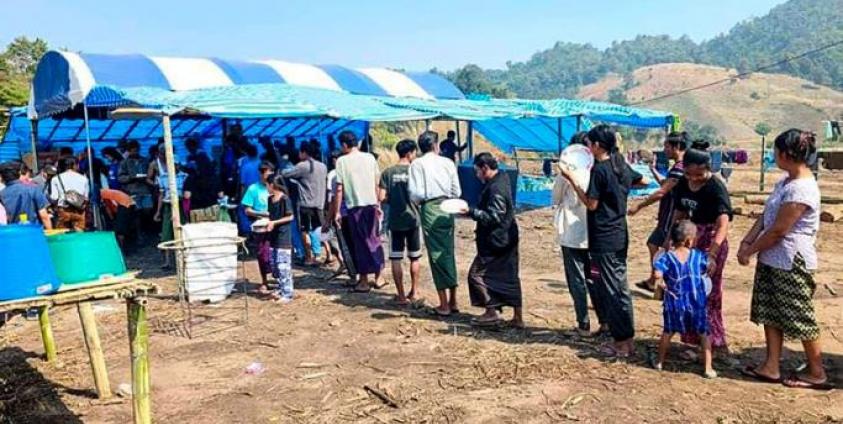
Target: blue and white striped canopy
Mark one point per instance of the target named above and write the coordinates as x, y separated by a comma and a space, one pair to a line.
64, 79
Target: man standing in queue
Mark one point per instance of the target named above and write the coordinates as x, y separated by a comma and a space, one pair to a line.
493, 279
403, 222
433, 179
357, 184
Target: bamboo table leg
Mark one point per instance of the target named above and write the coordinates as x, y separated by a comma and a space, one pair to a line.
92, 341
47, 334
139, 351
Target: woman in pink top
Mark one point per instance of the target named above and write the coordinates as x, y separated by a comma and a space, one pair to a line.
784, 238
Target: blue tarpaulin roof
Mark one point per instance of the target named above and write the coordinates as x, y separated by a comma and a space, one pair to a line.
64, 79
277, 99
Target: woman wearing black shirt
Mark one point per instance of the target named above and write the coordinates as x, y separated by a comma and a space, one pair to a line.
702, 197
608, 238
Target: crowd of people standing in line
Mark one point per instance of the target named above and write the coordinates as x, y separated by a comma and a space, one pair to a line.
689, 247
290, 193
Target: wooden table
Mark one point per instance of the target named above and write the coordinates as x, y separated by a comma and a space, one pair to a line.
126, 287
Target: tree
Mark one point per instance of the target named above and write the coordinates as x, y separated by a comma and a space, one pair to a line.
471, 79
762, 129
618, 97
22, 55
17, 66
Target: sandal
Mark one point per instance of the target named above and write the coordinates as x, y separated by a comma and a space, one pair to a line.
797, 381
610, 351
356, 290
645, 285
485, 322
749, 371
439, 313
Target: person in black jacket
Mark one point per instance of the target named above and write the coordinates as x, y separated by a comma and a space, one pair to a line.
493, 279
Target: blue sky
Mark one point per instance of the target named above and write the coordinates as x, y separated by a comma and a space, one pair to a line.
415, 35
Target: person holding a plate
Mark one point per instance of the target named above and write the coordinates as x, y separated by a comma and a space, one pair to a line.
255, 203
433, 180
571, 222
493, 279
608, 235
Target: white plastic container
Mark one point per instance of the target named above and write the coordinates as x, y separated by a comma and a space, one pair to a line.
210, 260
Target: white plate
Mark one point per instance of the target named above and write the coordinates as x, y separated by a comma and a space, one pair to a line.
577, 157
453, 206
260, 225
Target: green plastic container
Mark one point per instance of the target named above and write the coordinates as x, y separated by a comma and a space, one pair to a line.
84, 257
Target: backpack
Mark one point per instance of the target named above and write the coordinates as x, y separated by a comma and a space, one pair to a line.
73, 198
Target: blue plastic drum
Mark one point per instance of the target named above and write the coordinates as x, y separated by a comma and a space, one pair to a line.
26, 269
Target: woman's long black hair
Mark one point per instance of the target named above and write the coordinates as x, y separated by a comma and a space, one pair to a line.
679, 140
796, 144
607, 138
698, 154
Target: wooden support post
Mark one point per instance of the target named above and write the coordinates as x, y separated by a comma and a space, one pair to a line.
139, 355
459, 141
47, 334
763, 165
469, 138
559, 135
92, 341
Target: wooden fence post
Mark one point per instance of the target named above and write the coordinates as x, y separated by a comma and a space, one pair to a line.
47, 334
139, 353
92, 341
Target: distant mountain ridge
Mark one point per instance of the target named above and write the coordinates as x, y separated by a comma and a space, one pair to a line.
787, 30
732, 109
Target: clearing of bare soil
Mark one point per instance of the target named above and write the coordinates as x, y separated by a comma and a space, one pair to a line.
331, 356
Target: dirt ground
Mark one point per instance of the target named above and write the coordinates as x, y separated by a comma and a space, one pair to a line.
321, 353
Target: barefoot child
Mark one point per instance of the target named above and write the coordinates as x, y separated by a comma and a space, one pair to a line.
683, 270
280, 217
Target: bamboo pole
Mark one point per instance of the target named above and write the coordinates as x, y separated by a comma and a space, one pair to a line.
174, 194
139, 354
92, 342
47, 334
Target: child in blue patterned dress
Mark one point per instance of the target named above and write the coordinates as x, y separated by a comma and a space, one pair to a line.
682, 275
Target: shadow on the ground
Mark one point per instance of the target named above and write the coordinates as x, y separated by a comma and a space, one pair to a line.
27, 397
384, 307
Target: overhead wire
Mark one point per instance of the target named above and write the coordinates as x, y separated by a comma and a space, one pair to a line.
742, 74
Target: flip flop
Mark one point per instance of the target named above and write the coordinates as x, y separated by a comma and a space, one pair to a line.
356, 290
749, 371
796, 381
610, 351
438, 313
644, 285
486, 322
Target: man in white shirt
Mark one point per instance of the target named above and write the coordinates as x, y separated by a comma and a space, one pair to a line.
70, 183
433, 179
358, 177
571, 224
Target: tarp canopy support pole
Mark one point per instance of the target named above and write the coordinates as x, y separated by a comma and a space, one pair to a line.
559, 133
173, 188
34, 140
470, 139
459, 140
579, 123
91, 183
